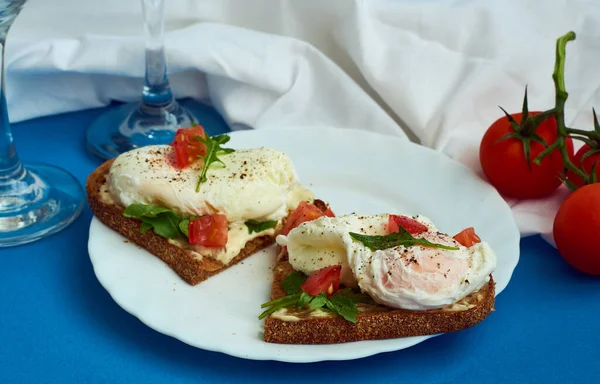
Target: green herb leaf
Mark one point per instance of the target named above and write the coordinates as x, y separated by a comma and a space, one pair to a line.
259, 226
165, 225
275, 305
304, 299
319, 301
344, 307
357, 297
343, 303
293, 282
137, 211
213, 149
402, 237
183, 226
145, 227
164, 221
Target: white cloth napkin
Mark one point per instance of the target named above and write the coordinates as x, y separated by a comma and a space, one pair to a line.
435, 70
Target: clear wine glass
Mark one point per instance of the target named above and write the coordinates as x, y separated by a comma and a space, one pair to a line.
156, 118
36, 200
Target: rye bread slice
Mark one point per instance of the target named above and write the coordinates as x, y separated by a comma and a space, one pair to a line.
182, 261
375, 321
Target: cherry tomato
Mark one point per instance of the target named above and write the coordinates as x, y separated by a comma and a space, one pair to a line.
186, 147
324, 280
577, 228
304, 212
505, 165
208, 231
467, 237
586, 164
411, 225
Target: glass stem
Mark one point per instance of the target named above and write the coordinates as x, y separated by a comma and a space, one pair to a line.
157, 92
10, 165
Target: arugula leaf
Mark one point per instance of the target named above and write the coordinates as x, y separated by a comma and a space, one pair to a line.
145, 227
136, 211
213, 148
343, 303
259, 226
183, 226
165, 225
402, 237
304, 299
293, 282
277, 304
319, 301
357, 297
343, 306
164, 221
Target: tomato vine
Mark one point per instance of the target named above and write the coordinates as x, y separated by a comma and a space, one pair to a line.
591, 138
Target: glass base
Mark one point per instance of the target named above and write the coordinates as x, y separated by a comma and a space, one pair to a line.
39, 201
134, 125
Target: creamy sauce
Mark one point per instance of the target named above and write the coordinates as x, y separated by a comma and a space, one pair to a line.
237, 238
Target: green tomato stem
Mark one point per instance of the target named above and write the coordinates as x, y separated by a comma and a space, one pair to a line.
589, 134
569, 164
561, 96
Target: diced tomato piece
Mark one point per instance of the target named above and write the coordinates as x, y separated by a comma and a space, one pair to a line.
411, 225
208, 231
324, 280
303, 213
467, 237
187, 148
329, 212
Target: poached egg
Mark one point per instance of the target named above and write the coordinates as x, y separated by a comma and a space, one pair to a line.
259, 184
414, 277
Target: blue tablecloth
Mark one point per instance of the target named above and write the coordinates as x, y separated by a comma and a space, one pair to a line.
58, 325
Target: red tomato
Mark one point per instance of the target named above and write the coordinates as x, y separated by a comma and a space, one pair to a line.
587, 164
505, 165
324, 280
467, 237
329, 212
304, 212
576, 229
209, 231
411, 225
186, 147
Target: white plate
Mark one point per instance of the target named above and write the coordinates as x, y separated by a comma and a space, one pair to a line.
355, 171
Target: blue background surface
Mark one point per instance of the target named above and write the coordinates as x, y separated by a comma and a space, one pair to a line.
58, 325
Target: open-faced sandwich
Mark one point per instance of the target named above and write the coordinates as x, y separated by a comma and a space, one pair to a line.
196, 205
357, 277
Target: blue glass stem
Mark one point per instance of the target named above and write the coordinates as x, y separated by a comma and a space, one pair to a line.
157, 91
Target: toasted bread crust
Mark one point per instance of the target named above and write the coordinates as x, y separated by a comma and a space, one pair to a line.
387, 324
183, 262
